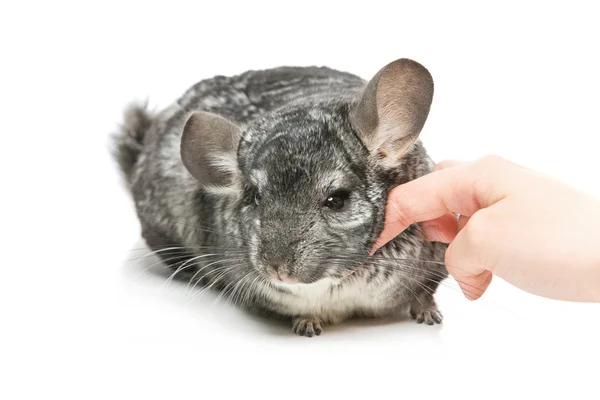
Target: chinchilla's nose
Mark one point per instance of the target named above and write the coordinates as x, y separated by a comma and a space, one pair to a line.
278, 268
275, 261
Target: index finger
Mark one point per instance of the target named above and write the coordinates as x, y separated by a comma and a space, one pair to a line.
450, 188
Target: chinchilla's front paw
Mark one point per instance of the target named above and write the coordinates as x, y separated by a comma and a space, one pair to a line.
429, 316
426, 311
307, 326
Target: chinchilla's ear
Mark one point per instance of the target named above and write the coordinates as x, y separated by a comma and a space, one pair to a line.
208, 150
393, 108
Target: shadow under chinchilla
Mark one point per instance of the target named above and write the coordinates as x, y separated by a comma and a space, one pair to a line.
145, 269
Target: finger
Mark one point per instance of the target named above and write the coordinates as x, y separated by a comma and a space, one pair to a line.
440, 229
427, 198
474, 286
443, 229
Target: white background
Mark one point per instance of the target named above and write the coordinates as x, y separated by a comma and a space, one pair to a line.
80, 321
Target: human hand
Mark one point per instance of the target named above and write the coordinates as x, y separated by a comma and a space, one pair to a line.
528, 229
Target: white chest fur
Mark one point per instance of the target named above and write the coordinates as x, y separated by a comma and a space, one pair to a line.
333, 302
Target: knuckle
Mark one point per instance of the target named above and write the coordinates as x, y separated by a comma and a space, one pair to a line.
491, 161
447, 164
485, 174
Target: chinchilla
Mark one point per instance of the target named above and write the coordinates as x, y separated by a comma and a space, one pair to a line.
270, 186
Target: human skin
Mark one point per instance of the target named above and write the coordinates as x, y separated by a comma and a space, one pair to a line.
536, 233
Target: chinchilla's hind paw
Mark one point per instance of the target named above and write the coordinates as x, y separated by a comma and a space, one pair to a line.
307, 326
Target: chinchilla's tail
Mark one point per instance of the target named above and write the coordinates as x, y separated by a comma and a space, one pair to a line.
128, 141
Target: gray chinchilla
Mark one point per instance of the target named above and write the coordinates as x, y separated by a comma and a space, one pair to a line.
270, 187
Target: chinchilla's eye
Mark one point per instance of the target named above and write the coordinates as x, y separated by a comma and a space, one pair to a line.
336, 200
257, 198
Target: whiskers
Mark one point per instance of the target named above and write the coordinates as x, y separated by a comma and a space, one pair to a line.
415, 270
427, 275
228, 270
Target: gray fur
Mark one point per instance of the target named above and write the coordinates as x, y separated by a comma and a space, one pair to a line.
301, 139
